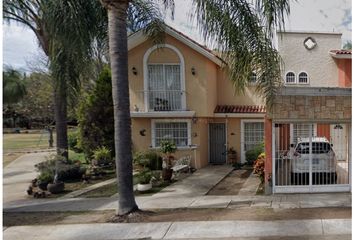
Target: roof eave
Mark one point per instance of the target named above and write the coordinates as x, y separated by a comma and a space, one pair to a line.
139, 37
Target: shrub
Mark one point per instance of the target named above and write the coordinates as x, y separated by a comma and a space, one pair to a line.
258, 167
73, 141
149, 159
252, 154
102, 156
46, 177
65, 169
95, 117
144, 177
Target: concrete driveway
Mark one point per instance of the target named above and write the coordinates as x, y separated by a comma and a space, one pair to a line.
18, 175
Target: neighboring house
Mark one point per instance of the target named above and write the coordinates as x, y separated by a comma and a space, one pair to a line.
314, 102
179, 91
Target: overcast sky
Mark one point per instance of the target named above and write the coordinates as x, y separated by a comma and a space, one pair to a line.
20, 46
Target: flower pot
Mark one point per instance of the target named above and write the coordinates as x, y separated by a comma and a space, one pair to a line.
144, 187
42, 185
56, 187
167, 174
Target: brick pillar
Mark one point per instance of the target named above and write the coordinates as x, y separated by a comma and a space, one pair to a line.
268, 152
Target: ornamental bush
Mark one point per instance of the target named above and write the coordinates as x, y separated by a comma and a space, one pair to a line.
95, 117
252, 154
258, 167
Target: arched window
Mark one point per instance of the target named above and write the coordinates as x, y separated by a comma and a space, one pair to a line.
164, 82
303, 78
290, 78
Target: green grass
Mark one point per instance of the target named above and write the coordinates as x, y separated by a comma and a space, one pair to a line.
74, 156
23, 141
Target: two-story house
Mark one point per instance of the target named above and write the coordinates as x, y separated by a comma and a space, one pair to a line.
180, 92
307, 131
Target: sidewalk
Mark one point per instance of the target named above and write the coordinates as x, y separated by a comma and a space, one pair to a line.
318, 229
18, 175
172, 202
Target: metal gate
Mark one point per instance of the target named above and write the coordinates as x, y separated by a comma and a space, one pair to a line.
217, 143
311, 157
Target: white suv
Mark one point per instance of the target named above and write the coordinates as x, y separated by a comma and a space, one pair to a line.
324, 161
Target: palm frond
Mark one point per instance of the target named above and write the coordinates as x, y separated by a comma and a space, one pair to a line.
237, 32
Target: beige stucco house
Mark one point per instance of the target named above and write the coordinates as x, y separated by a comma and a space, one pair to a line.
179, 91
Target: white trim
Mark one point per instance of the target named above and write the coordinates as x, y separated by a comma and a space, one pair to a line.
146, 73
240, 115
139, 37
308, 78
189, 130
162, 114
340, 56
243, 121
290, 83
273, 157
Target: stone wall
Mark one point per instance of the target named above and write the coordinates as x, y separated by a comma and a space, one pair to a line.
313, 108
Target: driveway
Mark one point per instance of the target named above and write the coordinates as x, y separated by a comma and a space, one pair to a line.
18, 175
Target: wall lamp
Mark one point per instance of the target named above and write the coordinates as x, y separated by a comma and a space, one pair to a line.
193, 71
135, 72
194, 120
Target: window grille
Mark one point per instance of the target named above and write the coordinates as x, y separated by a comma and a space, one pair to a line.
176, 132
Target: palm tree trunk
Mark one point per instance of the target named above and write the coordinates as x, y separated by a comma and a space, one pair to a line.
117, 15
60, 102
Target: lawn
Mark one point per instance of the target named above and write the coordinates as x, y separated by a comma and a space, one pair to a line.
25, 141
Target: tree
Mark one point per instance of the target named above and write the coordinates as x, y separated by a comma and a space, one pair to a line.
119, 14
65, 31
242, 32
348, 45
14, 87
95, 117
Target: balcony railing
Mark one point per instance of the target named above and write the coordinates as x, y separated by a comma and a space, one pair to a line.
164, 100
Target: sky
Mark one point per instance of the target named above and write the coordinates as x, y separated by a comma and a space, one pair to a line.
20, 46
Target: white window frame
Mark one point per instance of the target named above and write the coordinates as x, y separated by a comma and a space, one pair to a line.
243, 121
146, 73
292, 130
290, 83
153, 130
308, 79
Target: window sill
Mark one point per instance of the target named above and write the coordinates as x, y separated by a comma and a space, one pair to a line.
163, 114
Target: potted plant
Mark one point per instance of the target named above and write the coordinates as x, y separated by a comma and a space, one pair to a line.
144, 181
167, 148
44, 179
232, 155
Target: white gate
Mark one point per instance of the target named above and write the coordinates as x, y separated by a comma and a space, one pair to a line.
311, 157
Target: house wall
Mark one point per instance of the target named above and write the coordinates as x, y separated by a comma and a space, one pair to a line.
200, 88
344, 72
309, 108
318, 63
227, 94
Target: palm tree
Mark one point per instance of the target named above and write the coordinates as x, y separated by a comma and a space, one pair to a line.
138, 13
64, 30
240, 32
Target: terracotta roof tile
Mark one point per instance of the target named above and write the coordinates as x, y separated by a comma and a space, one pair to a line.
342, 51
240, 109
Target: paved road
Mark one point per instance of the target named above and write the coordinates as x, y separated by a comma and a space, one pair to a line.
17, 176
288, 229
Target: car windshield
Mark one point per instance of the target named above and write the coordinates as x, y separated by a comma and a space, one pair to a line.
317, 148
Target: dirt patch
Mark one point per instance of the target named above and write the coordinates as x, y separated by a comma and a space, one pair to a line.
231, 184
251, 214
